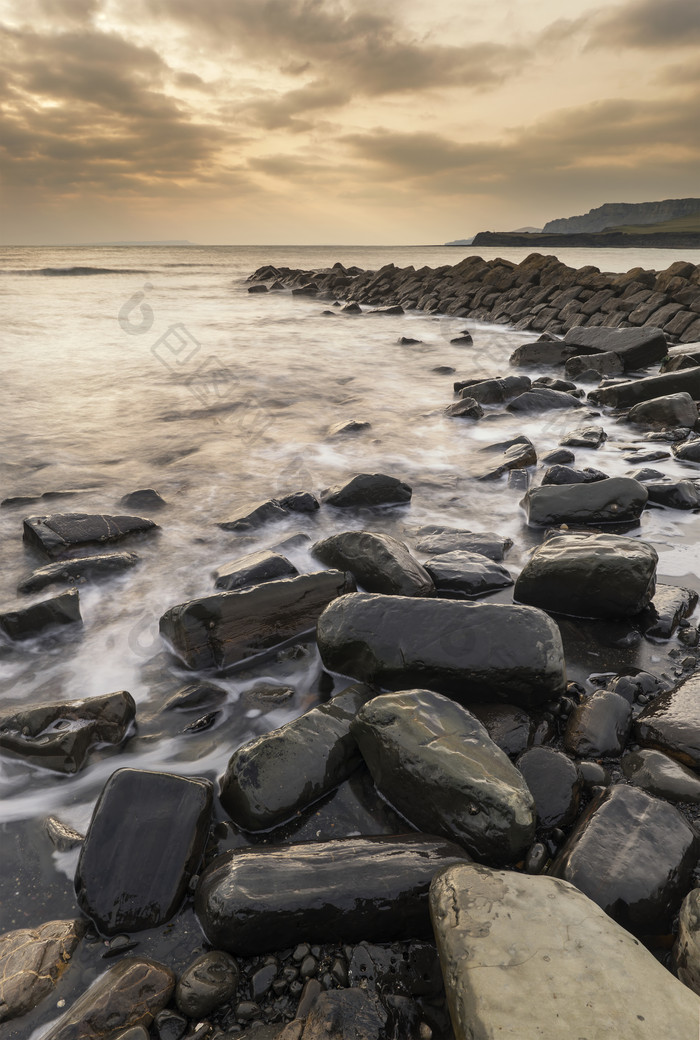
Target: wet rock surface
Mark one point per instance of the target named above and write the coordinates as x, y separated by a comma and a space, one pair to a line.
210, 981
601, 502
555, 784
368, 489
31, 962
253, 569
661, 776
61, 535
86, 568
465, 575
438, 540
671, 723
377, 562
41, 618
599, 727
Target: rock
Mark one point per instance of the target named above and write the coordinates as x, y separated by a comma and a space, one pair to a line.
443, 370
471, 651
146, 499
253, 569
40, 618
198, 696
637, 348
589, 575
219, 630
283, 771
531, 957
64, 534
541, 354
509, 727
352, 308
368, 489
566, 475
82, 569
131, 993
300, 502
584, 437
144, 843
208, 982
554, 383
493, 391
496, 459
681, 494
467, 408
624, 395
542, 399
375, 888
634, 856
661, 776
671, 723
635, 684
63, 838
440, 540
345, 1014
607, 363
666, 412
435, 763
348, 426
169, 1025
555, 784
599, 727
265, 513
667, 609
378, 562
31, 962
461, 575
688, 451
607, 501
559, 457
60, 736
686, 952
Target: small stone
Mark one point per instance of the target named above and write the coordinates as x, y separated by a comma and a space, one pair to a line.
207, 983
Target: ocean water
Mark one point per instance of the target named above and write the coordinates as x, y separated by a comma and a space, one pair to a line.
127, 368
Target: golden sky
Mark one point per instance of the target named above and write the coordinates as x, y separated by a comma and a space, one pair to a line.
338, 121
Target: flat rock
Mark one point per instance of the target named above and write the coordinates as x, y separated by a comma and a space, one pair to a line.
31, 962
634, 856
599, 727
669, 411
436, 540
613, 500
679, 494
368, 489
542, 399
624, 395
607, 363
144, 843
589, 575
541, 354
60, 736
435, 763
661, 776
671, 723
470, 651
85, 568
531, 958
38, 619
555, 784
375, 888
637, 348
220, 630
584, 437
378, 562
253, 569
465, 575
256, 516
65, 534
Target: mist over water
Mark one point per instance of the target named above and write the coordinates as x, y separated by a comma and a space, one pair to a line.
127, 368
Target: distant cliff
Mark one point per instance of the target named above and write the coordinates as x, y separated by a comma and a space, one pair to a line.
587, 240
615, 214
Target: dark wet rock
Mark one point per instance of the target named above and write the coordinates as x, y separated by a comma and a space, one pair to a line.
624, 395
82, 569
509, 727
542, 399
541, 354
253, 569
443, 370
589, 575
436, 764
169, 1025
601, 502
207, 983
554, 383
634, 856
62, 837
440, 540
130, 993
671, 723
464, 340
268, 695
378, 562
463, 575
220, 630
60, 736
274, 776
637, 348
352, 308
494, 460
555, 785
408, 341
300, 502
584, 366
136, 863
467, 408
31, 962
265, 513
559, 457
567, 475
681, 494
368, 489
394, 310
260, 288
407, 967
584, 437
686, 952
661, 776
670, 411
64, 534
348, 426
40, 618
341, 1014
688, 451
347, 890
198, 696
535, 944
635, 684
667, 609
146, 498
493, 391
471, 651
599, 727
647, 474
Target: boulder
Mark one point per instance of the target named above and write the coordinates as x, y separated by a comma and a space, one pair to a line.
300, 502
145, 498
253, 569
589, 575
567, 475
667, 609
599, 727
470, 651
555, 784
542, 399
686, 952
341, 1014
440, 540
584, 437
60, 736
669, 411
493, 391
208, 982
493, 461
251, 901
688, 451
378, 562
144, 843
465, 575
40, 618
637, 348
265, 513
680, 494
274, 776
661, 776
219, 630
467, 408
613, 500
531, 957
607, 363
435, 763
368, 489
633, 855
31, 962
85, 568
624, 395
671, 723
61, 535
542, 354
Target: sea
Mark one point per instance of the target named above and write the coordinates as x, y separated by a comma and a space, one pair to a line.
153, 367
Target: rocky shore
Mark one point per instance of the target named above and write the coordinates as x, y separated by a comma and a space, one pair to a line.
474, 831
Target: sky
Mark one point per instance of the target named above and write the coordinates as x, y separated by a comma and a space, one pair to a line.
338, 121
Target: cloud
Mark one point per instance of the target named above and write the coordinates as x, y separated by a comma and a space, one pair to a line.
652, 24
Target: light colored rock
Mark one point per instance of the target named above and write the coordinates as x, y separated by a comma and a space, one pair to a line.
532, 958
686, 952
31, 962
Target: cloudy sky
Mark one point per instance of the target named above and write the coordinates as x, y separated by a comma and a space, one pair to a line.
338, 121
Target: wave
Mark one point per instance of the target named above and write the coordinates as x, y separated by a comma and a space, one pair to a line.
73, 272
